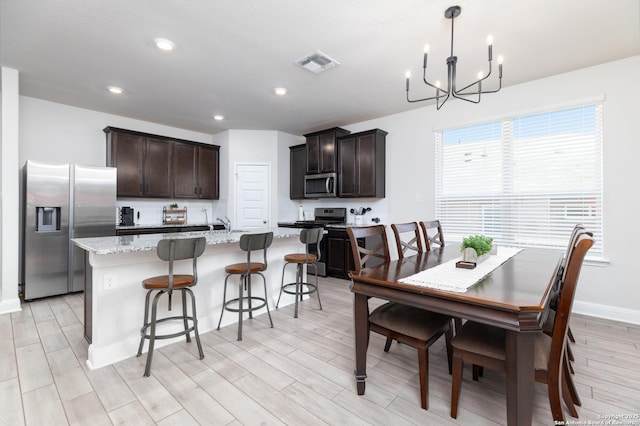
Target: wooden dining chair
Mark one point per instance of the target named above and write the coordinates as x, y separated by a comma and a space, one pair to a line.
555, 291
413, 245
432, 231
433, 238
412, 326
484, 345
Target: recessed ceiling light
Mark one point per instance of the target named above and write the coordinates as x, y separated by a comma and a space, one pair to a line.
280, 91
218, 117
114, 89
164, 44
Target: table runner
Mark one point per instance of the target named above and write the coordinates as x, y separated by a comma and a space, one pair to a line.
458, 280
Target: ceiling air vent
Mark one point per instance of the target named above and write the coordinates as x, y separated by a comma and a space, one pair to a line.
316, 62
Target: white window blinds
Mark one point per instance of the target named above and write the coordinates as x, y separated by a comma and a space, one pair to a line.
524, 181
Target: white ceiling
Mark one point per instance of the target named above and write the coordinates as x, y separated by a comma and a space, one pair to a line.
230, 54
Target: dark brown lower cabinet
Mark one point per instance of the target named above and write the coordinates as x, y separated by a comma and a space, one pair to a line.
339, 257
339, 253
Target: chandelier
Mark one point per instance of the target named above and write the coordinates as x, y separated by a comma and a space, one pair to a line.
470, 93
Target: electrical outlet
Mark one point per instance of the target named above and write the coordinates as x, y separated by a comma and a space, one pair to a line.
109, 281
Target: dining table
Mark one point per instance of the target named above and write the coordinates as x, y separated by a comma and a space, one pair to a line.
512, 296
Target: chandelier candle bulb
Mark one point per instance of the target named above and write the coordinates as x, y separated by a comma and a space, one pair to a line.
424, 61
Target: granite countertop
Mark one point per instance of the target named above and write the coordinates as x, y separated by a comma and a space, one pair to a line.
148, 242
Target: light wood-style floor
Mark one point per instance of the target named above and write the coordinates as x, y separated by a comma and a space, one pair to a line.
298, 373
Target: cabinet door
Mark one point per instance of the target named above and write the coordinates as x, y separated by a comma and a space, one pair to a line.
185, 169
347, 167
327, 153
127, 154
366, 166
336, 256
158, 168
313, 154
208, 173
297, 169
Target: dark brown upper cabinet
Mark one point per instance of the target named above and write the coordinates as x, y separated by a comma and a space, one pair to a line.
361, 164
209, 172
322, 150
158, 168
153, 166
297, 170
195, 168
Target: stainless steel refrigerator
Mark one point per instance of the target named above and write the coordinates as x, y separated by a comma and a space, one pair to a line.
61, 202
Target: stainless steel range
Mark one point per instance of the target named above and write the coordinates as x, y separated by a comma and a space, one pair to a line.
323, 217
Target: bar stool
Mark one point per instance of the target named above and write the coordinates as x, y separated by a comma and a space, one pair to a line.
307, 237
170, 250
248, 243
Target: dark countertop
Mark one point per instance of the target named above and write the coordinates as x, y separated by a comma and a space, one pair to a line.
166, 225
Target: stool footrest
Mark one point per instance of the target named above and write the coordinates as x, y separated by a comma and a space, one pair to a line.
262, 300
311, 288
168, 336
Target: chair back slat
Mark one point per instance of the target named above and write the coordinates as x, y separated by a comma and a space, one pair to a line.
253, 242
170, 249
361, 255
312, 236
414, 244
582, 243
183, 248
433, 235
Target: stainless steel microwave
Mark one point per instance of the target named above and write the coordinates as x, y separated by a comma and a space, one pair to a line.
320, 185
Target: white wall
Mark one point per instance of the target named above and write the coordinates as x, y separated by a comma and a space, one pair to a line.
9, 216
609, 291
252, 147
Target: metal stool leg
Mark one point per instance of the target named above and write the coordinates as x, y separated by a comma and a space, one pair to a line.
224, 301
195, 320
152, 334
243, 279
266, 303
247, 281
282, 283
317, 291
185, 319
298, 294
144, 322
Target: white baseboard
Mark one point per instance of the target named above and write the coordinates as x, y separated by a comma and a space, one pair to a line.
607, 312
11, 305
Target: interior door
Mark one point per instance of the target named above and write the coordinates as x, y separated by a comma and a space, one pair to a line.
252, 196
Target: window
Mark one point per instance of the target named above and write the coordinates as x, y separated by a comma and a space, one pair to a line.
524, 181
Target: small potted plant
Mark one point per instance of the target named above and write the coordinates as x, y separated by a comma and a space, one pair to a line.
476, 248
173, 206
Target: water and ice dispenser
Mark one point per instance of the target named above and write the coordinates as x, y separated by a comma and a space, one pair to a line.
48, 219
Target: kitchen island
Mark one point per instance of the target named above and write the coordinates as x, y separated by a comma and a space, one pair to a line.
114, 297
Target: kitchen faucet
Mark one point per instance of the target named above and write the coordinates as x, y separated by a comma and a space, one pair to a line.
226, 224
